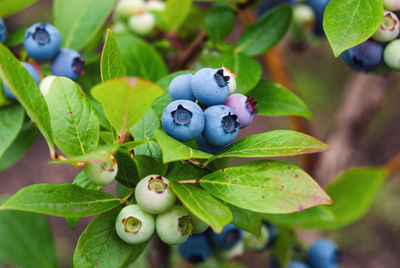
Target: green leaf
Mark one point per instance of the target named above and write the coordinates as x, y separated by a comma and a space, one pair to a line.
100, 246
26, 240
146, 166
141, 59
266, 187
127, 171
283, 246
144, 129
75, 125
349, 23
22, 85
79, 20
266, 32
130, 145
248, 70
15, 38
11, 119
175, 13
64, 200
150, 149
246, 220
219, 21
275, 100
272, 144
174, 150
125, 101
112, 63
9, 7
99, 153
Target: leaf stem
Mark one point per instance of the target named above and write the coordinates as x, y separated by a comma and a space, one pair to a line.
125, 200
197, 163
190, 181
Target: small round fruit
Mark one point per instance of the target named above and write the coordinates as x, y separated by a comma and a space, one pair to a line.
389, 28
142, 24
31, 70
154, 195
155, 5
196, 249
303, 19
174, 226
102, 171
42, 41
183, 120
199, 226
243, 106
119, 28
180, 88
228, 238
298, 264
392, 5
232, 79
204, 146
367, 55
324, 254
126, 8
210, 86
45, 84
68, 63
134, 225
254, 242
221, 125
3, 31
391, 54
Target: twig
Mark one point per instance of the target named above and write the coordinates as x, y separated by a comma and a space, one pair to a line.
196, 163
191, 51
393, 165
174, 40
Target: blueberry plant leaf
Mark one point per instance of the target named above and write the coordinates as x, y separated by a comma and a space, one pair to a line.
75, 125
349, 23
144, 129
64, 200
22, 85
100, 246
15, 38
246, 220
11, 119
275, 100
101, 152
9, 7
266, 187
21, 233
112, 63
219, 21
125, 101
127, 171
173, 150
146, 166
175, 13
266, 32
248, 70
283, 246
273, 143
141, 59
78, 21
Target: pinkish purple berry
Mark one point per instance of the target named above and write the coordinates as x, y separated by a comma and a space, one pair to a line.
244, 107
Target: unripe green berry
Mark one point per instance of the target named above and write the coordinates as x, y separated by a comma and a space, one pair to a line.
155, 5
134, 225
45, 84
142, 24
392, 5
154, 195
391, 54
389, 28
303, 18
174, 226
254, 242
199, 226
102, 171
126, 8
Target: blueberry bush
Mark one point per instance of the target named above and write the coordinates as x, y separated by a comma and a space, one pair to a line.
150, 96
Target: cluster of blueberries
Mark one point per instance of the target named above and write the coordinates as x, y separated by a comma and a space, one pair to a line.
137, 15
42, 42
216, 127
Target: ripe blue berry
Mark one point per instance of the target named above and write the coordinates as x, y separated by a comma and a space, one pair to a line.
154, 195
180, 88
3, 31
134, 225
367, 55
205, 146
391, 54
298, 264
228, 238
319, 8
221, 125
196, 249
210, 86
102, 171
389, 28
174, 226
183, 120
244, 108
68, 63
42, 41
392, 5
254, 242
324, 254
31, 70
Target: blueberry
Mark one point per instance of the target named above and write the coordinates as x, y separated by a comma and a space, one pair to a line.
391, 54
134, 225
345, 56
210, 86
3, 31
174, 226
221, 125
228, 238
319, 8
180, 88
324, 254
42, 41
392, 5
389, 28
244, 108
154, 195
183, 120
68, 63
31, 70
297, 264
142, 24
367, 55
205, 146
102, 171
254, 242
126, 8
45, 84
196, 249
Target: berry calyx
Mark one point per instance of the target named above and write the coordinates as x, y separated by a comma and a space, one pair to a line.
182, 116
230, 123
221, 79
